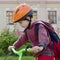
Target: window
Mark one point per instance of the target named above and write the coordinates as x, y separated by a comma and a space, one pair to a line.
34, 15
9, 15
52, 16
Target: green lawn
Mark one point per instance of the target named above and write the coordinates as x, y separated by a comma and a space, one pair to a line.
16, 58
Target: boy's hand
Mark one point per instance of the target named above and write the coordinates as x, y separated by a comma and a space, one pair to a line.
37, 49
10, 48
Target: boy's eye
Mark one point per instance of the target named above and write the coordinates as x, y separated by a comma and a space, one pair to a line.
20, 21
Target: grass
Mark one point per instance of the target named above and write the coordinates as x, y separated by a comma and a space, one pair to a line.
16, 58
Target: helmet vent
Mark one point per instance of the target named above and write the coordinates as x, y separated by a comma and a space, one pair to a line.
22, 5
17, 10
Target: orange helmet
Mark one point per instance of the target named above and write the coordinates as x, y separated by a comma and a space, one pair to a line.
21, 12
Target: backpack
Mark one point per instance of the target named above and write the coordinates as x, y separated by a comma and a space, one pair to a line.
53, 34
54, 37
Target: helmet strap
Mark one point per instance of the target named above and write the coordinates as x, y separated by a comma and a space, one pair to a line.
28, 24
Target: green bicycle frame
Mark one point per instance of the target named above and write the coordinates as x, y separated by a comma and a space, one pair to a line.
19, 53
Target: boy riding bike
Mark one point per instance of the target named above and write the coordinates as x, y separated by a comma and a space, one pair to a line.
41, 40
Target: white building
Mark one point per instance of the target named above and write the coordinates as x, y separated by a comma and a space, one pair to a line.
46, 10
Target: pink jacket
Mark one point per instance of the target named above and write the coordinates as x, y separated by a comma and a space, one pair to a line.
40, 39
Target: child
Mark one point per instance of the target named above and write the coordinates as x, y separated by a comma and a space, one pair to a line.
41, 41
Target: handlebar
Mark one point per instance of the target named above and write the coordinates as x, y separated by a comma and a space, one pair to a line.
20, 52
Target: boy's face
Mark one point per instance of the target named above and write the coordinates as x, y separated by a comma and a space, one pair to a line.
24, 23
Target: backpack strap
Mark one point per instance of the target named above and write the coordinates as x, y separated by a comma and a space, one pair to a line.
37, 27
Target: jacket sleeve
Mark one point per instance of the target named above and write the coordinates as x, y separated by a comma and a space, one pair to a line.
43, 36
21, 40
